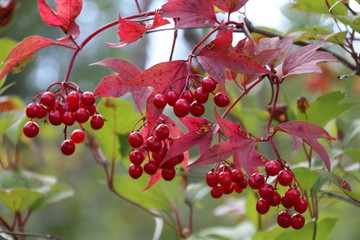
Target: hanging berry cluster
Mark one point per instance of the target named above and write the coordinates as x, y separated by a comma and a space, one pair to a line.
65, 105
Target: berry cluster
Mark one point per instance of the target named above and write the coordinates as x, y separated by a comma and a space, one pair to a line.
191, 102
60, 107
155, 148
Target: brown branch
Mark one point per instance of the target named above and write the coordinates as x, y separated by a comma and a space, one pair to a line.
31, 235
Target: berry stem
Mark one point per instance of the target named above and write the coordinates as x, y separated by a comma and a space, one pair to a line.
138, 6
173, 45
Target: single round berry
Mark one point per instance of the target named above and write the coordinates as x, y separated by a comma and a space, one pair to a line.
72, 99
171, 97
136, 157
90, 108
97, 121
200, 95
135, 139
168, 174
266, 191
225, 178
212, 179
42, 111
217, 191
47, 98
172, 162
68, 118
237, 175
135, 171
272, 168
197, 109
275, 199
181, 107
285, 177
301, 205
159, 101
67, 147
297, 221
256, 180
286, 202
292, 195
228, 189
151, 167
31, 129
88, 98
188, 95
55, 117
262, 206
32, 110
224, 168
162, 131
208, 84
221, 99
153, 144
283, 219
60, 107
77, 136
159, 155
82, 115
243, 183
237, 189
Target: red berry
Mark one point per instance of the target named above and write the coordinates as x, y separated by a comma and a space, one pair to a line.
135, 139
266, 191
224, 168
77, 136
47, 98
88, 98
135, 171
262, 206
221, 99
197, 109
55, 117
212, 179
90, 108
172, 162
285, 177
42, 111
301, 205
208, 84
60, 107
68, 118
31, 129
181, 107
82, 115
228, 189
283, 219
217, 191
237, 175
168, 174
275, 199
32, 110
243, 183
97, 121
237, 189
188, 95
172, 97
225, 178
151, 167
153, 144
159, 101
256, 180
72, 99
162, 131
67, 147
200, 95
136, 157
272, 168
297, 221
159, 155
292, 195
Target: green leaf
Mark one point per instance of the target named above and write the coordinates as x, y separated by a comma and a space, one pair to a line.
56, 193
325, 227
18, 199
195, 192
354, 154
337, 38
348, 129
325, 108
6, 45
5, 123
306, 178
269, 235
321, 7
251, 212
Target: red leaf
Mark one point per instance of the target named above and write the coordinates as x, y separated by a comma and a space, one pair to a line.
230, 5
125, 69
23, 49
153, 179
191, 13
309, 133
304, 60
219, 54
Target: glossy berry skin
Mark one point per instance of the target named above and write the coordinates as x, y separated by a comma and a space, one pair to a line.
153, 144
55, 117
172, 97
275, 199
262, 206
285, 177
73, 99
301, 205
77, 136
168, 174
97, 122
225, 178
228, 189
272, 168
283, 219
221, 99
181, 107
266, 191
151, 167
47, 98
286, 203
68, 118
217, 192
297, 221
42, 111
67, 147
159, 101
200, 95
159, 155
31, 129
162, 131
256, 180
237, 189
135, 171
188, 95
237, 175
243, 183
88, 98
197, 109
292, 195
135, 139
32, 110
90, 108
208, 84
82, 115
136, 157
212, 179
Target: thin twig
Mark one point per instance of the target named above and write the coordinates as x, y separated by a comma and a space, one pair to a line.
31, 235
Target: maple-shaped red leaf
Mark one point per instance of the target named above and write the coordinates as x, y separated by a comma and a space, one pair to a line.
201, 132
25, 48
64, 16
191, 13
125, 69
219, 54
308, 133
230, 5
130, 31
304, 60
